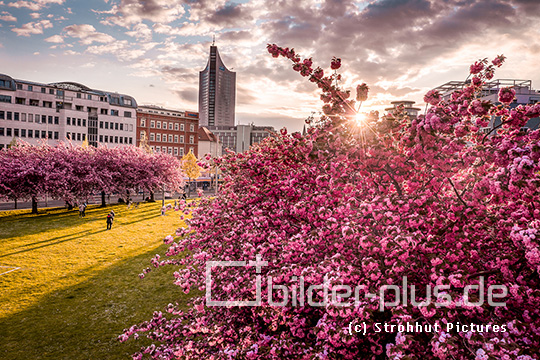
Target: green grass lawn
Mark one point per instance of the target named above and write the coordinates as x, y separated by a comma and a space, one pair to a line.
77, 286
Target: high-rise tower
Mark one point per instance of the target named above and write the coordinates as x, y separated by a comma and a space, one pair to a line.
217, 92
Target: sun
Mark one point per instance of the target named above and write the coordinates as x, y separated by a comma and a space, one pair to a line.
360, 119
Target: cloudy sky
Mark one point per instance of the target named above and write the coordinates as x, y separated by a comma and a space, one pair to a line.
154, 49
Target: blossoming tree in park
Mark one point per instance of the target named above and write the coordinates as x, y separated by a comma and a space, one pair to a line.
191, 167
73, 173
398, 202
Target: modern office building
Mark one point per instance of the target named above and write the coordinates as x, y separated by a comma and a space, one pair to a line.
64, 111
239, 138
165, 130
525, 94
217, 92
408, 107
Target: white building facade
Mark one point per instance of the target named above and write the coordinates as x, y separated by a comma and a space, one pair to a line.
64, 111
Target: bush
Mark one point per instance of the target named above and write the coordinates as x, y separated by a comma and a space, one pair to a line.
432, 199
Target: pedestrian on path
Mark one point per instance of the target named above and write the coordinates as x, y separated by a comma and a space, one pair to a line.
81, 210
84, 209
110, 218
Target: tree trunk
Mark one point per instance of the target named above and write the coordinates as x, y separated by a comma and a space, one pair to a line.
15, 203
103, 204
189, 188
152, 196
34, 205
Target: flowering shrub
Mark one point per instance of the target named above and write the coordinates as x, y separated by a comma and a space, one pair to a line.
431, 198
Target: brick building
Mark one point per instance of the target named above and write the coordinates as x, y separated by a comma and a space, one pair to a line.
166, 130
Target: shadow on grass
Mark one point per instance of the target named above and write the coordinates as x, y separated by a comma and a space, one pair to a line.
20, 225
84, 321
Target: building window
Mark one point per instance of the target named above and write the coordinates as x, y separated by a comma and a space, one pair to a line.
122, 127
181, 152
8, 132
43, 134
43, 119
143, 122
101, 124
158, 137
56, 120
9, 115
152, 137
16, 116
16, 132
115, 126
89, 97
5, 98
50, 118
158, 125
2, 115
131, 140
106, 138
192, 139
30, 133
47, 104
68, 121
83, 122
78, 122
114, 112
170, 138
176, 127
78, 136
20, 101
30, 88
34, 102
49, 135
30, 117
78, 95
191, 127
127, 114
175, 151
116, 139
19, 86
51, 91
23, 132
176, 139
103, 112
56, 135
23, 117
152, 124
100, 138
170, 126
181, 139
121, 140
191, 149
181, 127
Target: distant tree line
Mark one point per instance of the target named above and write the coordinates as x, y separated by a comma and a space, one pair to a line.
74, 173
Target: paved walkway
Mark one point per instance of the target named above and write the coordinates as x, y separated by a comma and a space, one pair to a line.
96, 199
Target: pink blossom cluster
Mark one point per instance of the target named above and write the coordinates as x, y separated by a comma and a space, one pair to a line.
433, 198
362, 92
506, 95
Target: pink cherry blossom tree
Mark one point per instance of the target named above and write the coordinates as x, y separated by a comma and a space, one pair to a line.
73, 173
433, 199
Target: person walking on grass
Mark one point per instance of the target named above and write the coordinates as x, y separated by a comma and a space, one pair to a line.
110, 218
84, 209
81, 210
